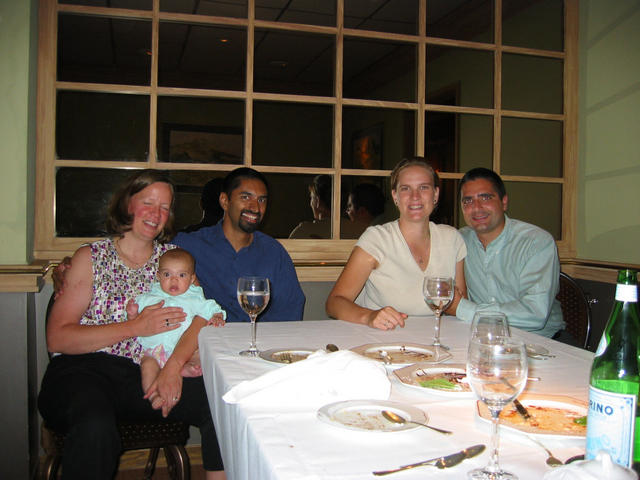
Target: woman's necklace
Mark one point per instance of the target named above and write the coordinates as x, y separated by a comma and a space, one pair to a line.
129, 261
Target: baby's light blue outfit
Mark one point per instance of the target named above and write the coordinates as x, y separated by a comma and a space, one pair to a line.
193, 303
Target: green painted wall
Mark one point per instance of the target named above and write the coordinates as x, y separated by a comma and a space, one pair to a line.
18, 48
609, 131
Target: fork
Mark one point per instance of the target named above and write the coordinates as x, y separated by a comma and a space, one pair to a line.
286, 358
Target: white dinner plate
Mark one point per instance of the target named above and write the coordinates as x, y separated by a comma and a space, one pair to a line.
366, 415
286, 355
402, 353
447, 380
573, 407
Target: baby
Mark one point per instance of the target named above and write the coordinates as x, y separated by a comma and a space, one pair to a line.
176, 274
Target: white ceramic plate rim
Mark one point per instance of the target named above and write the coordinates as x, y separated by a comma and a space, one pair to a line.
268, 354
568, 403
409, 412
412, 369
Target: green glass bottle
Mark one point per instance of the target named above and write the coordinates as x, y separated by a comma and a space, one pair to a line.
613, 421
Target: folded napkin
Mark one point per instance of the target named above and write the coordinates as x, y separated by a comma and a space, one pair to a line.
320, 379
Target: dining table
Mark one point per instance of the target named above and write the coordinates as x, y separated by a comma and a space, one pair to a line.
285, 442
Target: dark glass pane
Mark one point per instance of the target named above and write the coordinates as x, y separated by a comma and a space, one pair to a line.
533, 24
102, 126
104, 50
376, 138
310, 12
312, 207
292, 134
188, 185
459, 76
94, 186
531, 147
532, 83
200, 130
472, 22
537, 203
457, 142
194, 56
378, 70
131, 4
294, 63
364, 201
448, 209
226, 8
393, 16
288, 203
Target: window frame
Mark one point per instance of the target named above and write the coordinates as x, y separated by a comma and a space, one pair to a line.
315, 259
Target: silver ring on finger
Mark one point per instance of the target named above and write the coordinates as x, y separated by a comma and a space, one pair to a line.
175, 399
166, 322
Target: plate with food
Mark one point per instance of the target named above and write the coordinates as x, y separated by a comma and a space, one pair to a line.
286, 355
552, 415
437, 379
401, 353
366, 415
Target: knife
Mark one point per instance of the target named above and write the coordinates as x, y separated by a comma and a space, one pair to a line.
440, 462
521, 409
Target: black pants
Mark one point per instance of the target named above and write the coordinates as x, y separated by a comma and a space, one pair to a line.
85, 395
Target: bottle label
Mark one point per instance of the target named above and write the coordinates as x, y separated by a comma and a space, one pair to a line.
610, 425
626, 293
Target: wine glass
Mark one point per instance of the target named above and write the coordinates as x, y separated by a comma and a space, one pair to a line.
253, 297
438, 294
497, 374
489, 324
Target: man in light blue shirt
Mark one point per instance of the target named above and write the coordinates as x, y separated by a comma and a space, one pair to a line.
511, 266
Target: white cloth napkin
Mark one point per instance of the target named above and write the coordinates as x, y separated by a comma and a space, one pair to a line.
320, 379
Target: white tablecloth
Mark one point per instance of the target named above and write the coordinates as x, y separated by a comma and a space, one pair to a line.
260, 443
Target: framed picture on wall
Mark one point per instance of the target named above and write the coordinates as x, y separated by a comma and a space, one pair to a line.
366, 148
201, 144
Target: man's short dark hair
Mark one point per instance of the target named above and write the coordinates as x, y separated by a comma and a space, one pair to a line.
486, 174
321, 187
233, 179
368, 196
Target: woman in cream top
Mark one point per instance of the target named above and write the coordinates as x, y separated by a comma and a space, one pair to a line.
382, 282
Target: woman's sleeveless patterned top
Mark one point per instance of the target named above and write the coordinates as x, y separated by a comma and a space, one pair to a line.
113, 285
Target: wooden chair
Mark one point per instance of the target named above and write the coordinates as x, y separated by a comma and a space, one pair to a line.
171, 436
576, 309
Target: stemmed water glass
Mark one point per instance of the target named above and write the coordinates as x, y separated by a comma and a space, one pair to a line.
489, 324
253, 297
438, 294
497, 373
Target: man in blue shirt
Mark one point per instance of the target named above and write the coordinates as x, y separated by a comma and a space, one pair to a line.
511, 266
235, 248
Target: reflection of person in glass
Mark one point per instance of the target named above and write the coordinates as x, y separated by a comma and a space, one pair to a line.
210, 203
364, 152
320, 203
365, 205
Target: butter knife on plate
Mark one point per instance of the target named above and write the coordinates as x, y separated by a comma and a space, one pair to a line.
440, 462
522, 410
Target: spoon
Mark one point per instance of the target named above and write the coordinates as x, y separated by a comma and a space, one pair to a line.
394, 417
552, 461
386, 358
